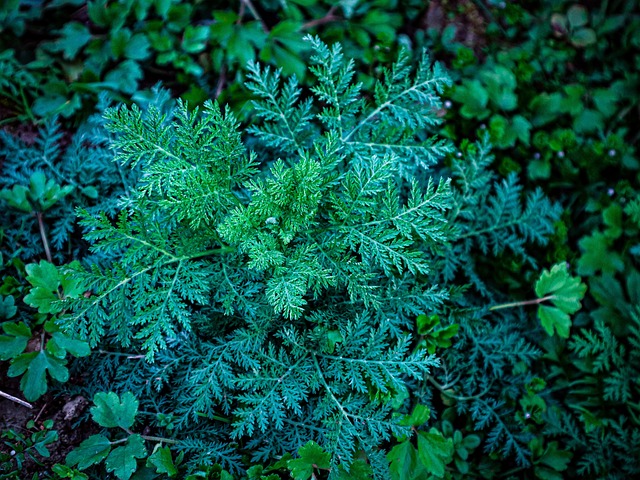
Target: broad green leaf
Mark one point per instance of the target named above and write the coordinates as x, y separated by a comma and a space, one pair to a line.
33, 367
402, 461
500, 83
577, 16
66, 472
605, 100
137, 47
596, 255
546, 107
564, 291
474, 99
43, 274
426, 323
124, 77
471, 442
90, 191
418, 417
612, 218
122, 460
555, 458
359, 470
17, 198
110, 412
60, 344
118, 43
48, 105
311, 456
74, 36
588, 121
553, 318
162, 7
7, 306
163, 462
90, 452
434, 451
14, 343
583, 37
45, 280
195, 38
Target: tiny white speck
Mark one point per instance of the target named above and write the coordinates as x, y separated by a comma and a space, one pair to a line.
561, 154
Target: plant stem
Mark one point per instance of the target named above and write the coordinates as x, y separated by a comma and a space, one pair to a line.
120, 354
329, 17
159, 439
43, 235
14, 399
255, 14
520, 304
150, 438
443, 390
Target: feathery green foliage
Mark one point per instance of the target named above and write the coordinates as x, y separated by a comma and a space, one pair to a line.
277, 264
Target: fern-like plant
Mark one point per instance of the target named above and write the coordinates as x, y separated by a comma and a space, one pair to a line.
292, 269
275, 290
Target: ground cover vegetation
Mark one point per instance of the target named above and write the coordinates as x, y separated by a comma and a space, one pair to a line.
319, 240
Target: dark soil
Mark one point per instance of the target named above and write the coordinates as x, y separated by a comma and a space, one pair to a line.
65, 412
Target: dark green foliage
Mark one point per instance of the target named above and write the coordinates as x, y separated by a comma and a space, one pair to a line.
279, 296
490, 217
84, 167
25, 447
275, 290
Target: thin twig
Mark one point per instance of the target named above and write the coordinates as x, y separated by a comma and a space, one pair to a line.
329, 17
256, 15
40, 412
520, 304
43, 235
444, 391
14, 399
222, 79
